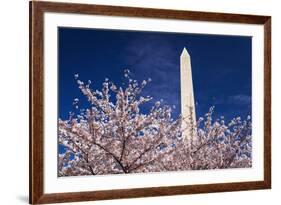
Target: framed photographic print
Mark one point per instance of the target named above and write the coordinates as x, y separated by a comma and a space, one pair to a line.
136, 102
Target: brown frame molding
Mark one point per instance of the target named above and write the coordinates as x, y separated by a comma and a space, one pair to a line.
37, 9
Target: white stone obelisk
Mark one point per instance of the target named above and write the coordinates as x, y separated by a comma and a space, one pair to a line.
187, 97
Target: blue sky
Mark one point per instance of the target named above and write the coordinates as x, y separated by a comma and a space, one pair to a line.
221, 67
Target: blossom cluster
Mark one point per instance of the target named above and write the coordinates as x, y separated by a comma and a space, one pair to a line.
113, 136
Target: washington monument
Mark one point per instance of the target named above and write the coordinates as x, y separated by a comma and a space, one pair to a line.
187, 96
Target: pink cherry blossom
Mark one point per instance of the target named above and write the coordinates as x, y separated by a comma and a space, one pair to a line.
112, 136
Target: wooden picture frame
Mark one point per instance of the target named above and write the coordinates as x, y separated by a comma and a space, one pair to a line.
36, 39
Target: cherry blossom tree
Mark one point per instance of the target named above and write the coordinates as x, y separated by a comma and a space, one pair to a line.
114, 136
